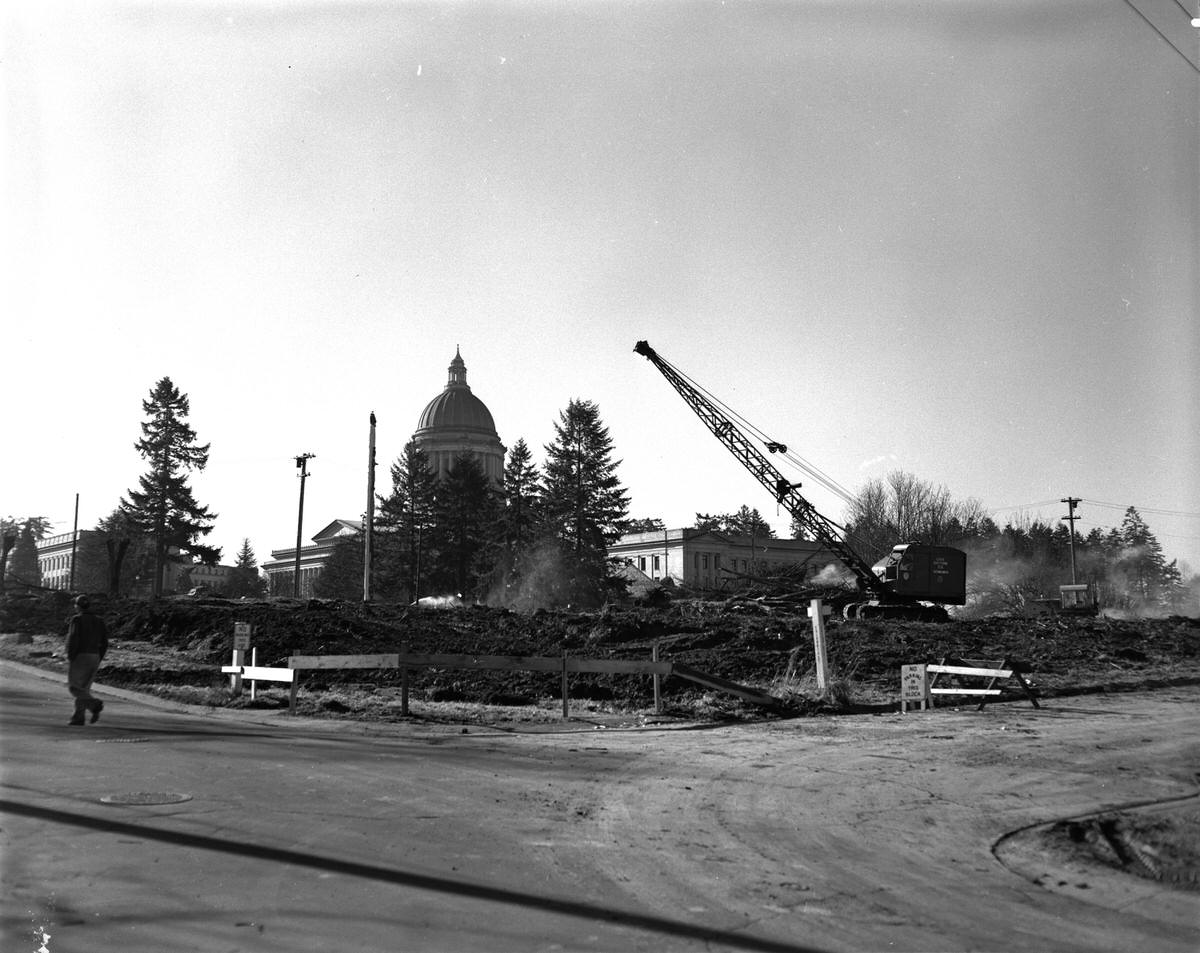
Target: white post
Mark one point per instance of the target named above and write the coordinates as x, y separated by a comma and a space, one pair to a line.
235, 681
817, 612
253, 662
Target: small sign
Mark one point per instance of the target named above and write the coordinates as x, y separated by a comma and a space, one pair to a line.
914, 683
241, 636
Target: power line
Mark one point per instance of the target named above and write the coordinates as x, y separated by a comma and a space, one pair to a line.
1166, 39
1143, 509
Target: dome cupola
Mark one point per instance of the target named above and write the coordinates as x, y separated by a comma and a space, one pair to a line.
457, 422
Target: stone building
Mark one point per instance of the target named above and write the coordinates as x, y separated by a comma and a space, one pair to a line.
709, 559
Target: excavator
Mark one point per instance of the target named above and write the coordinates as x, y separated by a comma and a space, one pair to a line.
914, 581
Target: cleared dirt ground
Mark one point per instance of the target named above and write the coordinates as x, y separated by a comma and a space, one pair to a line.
173, 648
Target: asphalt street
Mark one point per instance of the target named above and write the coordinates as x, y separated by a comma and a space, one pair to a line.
171, 828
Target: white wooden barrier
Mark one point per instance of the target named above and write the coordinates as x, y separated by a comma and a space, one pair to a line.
916, 684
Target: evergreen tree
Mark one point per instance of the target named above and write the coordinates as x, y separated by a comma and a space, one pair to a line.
402, 541
584, 500
465, 514
342, 577
651, 524
164, 507
23, 568
245, 581
1141, 560
518, 516
742, 522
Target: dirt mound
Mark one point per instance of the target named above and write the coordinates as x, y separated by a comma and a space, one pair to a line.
753, 642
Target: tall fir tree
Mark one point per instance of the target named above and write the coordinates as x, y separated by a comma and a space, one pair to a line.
245, 581
518, 518
402, 550
465, 515
584, 501
23, 570
1141, 560
164, 507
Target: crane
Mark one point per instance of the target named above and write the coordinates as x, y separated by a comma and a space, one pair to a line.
897, 585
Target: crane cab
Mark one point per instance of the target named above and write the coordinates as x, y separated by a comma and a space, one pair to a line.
914, 571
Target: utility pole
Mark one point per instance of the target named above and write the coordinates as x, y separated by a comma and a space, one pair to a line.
302, 464
367, 529
74, 545
1071, 518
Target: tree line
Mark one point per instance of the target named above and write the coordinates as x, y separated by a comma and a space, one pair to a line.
538, 539
1024, 560
541, 537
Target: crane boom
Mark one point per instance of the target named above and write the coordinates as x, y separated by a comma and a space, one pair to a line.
786, 493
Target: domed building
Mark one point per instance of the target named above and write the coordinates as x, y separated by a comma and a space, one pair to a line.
457, 422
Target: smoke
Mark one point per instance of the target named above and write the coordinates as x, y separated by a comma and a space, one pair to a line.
440, 602
833, 575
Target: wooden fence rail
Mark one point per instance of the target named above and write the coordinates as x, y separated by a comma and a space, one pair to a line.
564, 665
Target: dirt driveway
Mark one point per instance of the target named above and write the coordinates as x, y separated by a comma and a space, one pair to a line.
842, 833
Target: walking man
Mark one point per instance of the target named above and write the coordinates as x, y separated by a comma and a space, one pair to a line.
87, 641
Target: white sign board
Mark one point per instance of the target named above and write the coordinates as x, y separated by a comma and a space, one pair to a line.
914, 683
241, 636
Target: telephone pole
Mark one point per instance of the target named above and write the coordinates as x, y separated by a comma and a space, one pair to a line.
302, 465
367, 529
1071, 501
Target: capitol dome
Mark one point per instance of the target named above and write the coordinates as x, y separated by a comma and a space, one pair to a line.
457, 422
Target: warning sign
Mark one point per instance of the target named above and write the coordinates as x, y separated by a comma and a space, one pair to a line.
241, 636
914, 683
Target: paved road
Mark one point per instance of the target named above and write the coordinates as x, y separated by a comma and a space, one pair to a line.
837, 834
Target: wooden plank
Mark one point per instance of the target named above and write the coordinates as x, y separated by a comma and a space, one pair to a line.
618, 666
344, 661
965, 691
262, 673
259, 673
714, 681
519, 663
963, 670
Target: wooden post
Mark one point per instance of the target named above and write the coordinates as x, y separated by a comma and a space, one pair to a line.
817, 612
235, 681
292, 694
566, 699
403, 681
657, 681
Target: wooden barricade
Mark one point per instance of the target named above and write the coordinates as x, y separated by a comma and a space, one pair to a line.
405, 660
921, 682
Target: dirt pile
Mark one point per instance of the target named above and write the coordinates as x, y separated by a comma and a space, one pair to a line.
767, 645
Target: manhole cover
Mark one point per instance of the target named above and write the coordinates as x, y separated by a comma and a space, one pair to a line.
146, 797
118, 741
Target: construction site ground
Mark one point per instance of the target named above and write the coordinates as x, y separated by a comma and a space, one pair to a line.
1090, 798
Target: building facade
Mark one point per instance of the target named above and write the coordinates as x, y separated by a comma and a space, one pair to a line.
709, 559
59, 556
282, 565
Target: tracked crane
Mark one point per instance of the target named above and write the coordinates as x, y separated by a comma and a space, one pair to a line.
897, 586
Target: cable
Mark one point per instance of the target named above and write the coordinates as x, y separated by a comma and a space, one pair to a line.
1166, 39
795, 459
1142, 509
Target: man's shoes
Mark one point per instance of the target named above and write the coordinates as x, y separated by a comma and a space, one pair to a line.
77, 720
96, 711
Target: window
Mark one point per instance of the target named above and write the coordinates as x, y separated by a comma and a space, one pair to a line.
642, 563
695, 560
656, 564
706, 560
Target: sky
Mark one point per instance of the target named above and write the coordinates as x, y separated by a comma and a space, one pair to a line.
958, 239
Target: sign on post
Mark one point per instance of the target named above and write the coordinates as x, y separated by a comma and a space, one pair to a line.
241, 642
817, 612
914, 686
